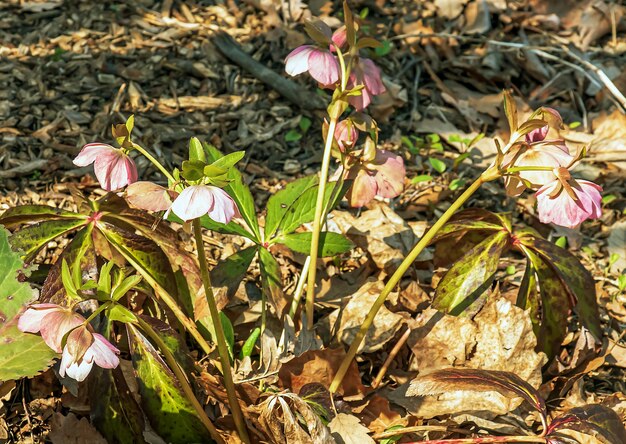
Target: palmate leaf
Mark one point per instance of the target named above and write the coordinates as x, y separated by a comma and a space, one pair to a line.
21, 354
452, 379
471, 275
34, 213
591, 419
330, 243
280, 203
302, 210
549, 308
170, 414
32, 238
271, 281
575, 278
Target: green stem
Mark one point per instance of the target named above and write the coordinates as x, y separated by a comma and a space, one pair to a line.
395, 278
513, 170
485, 440
297, 295
222, 348
182, 378
318, 221
155, 162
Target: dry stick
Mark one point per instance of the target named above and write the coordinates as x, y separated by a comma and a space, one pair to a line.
318, 221
404, 266
484, 440
222, 348
427, 428
182, 378
290, 90
394, 351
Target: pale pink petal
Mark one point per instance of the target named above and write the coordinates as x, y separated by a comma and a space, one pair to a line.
148, 196
297, 61
91, 152
389, 173
537, 135
224, 207
193, 202
340, 37
323, 67
75, 370
104, 353
115, 171
56, 325
542, 156
346, 134
363, 189
362, 101
371, 77
563, 210
30, 321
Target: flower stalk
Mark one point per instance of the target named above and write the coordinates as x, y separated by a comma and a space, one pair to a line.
222, 348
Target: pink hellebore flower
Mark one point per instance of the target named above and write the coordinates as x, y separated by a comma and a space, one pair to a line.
113, 167
568, 202
346, 134
149, 196
384, 177
365, 72
52, 321
197, 200
82, 349
320, 63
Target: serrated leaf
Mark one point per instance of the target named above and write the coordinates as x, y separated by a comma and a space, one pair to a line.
271, 281
470, 276
302, 211
239, 191
549, 314
279, 203
330, 243
21, 354
34, 213
576, 278
230, 271
467, 379
32, 238
592, 419
173, 341
463, 225
171, 415
229, 160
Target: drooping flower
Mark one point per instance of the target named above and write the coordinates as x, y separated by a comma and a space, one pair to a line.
113, 167
197, 200
84, 348
346, 134
149, 196
568, 202
321, 64
52, 321
365, 72
384, 176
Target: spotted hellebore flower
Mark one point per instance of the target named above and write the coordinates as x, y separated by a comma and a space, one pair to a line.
568, 202
321, 64
113, 167
84, 348
365, 72
197, 200
384, 176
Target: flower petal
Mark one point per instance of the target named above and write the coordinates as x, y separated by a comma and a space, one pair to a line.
371, 77
91, 152
30, 321
148, 196
389, 173
323, 67
224, 207
563, 210
297, 61
363, 189
115, 171
104, 353
57, 324
193, 202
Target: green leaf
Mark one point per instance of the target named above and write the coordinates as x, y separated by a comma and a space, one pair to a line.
592, 419
304, 124
32, 238
422, 178
193, 169
621, 282
120, 313
438, 165
279, 203
463, 225
293, 135
468, 379
196, 151
80, 249
456, 184
35, 213
229, 334
170, 414
549, 313
229, 160
384, 49
21, 354
239, 192
271, 281
330, 243
302, 210
561, 242
575, 277
510, 110
471, 275
248, 346
173, 341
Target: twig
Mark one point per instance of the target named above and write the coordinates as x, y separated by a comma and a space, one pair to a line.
26, 168
427, 428
394, 351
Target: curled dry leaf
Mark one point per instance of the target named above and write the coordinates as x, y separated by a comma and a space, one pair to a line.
320, 366
386, 323
287, 418
500, 337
